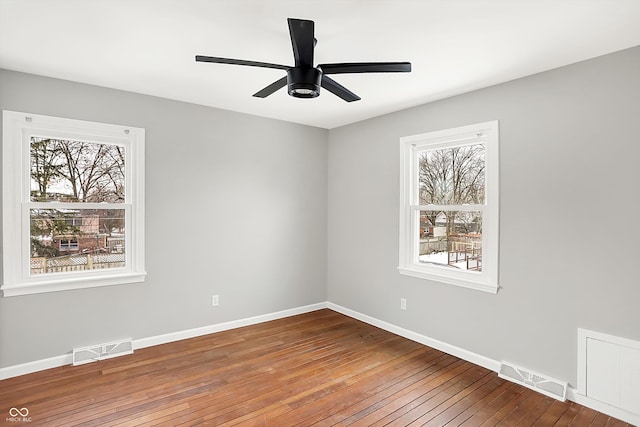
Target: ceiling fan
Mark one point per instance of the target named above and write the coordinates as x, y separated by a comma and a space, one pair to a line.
303, 80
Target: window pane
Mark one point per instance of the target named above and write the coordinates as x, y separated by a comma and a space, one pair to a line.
452, 176
451, 238
76, 171
76, 239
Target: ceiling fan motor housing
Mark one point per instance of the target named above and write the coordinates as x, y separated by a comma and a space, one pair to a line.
304, 82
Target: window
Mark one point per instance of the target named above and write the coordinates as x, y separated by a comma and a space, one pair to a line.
73, 202
66, 245
449, 206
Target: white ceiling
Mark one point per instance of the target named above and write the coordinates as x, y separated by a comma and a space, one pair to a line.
148, 46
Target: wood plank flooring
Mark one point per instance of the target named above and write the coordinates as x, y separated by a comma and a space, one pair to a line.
315, 369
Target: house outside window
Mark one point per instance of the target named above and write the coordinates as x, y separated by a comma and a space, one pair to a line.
70, 189
449, 206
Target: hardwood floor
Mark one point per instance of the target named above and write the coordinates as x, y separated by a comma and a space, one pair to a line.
315, 369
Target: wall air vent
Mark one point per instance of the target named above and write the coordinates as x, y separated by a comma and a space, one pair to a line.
102, 351
533, 380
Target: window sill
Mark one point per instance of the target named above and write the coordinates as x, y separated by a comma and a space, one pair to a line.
444, 278
67, 284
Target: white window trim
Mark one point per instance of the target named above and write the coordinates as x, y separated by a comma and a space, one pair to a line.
16, 277
487, 280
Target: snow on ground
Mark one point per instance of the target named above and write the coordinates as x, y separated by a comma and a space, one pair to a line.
441, 259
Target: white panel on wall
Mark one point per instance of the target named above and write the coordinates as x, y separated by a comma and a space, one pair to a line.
603, 371
609, 369
630, 380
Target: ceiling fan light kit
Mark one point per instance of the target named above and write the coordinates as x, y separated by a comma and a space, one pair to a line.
303, 80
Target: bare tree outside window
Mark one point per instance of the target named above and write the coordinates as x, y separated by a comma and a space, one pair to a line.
76, 171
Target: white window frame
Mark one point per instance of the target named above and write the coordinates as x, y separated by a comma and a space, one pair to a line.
17, 130
410, 147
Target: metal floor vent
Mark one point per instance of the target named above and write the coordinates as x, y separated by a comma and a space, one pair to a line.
102, 351
533, 380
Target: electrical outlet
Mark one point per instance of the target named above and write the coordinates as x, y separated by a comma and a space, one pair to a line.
403, 303
215, 300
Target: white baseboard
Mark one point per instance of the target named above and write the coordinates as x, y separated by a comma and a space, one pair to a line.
67, 359
469, 356
35, 366
596, 405
219, 327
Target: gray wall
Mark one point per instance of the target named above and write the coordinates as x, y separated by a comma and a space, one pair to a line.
226, 182
570, 177
235, 206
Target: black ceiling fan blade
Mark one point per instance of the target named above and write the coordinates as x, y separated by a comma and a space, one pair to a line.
278, 84
302, 41
366, 67
337, 89
200, 58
